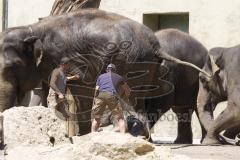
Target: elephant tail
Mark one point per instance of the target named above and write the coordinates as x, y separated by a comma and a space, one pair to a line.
163, 55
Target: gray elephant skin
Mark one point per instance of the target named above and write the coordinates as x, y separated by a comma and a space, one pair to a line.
223, 64
91, 39
185, 79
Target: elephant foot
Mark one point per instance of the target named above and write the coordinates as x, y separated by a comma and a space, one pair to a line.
182, 141
210, 141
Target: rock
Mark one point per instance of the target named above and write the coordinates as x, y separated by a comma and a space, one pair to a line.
95, 146
117, 146
33, 125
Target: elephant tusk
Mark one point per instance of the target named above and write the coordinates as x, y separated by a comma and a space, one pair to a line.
166, 56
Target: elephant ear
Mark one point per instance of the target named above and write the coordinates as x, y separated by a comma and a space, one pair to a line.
36, 44
38, 51
216, 57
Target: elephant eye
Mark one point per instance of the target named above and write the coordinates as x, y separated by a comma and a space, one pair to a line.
110, 47
125, 45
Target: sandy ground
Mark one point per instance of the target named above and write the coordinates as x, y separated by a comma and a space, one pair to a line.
186, 152
166, 130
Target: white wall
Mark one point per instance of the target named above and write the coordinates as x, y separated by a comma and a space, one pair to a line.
23, 12
213, 22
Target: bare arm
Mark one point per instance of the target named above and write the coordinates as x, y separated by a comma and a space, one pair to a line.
75, 77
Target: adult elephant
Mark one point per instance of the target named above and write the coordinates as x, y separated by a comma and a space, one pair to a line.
91, 39
223, 64
185, 80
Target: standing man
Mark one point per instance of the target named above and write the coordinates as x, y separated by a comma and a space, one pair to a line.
56, 98
58, 83
107, 93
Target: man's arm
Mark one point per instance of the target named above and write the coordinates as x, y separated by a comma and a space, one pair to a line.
75, 77
53, 82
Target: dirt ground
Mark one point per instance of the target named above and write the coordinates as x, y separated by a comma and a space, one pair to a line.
166, 127
166, 131
186, 152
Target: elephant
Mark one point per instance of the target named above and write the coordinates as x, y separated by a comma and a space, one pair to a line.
183, 100
91, 39
223, 64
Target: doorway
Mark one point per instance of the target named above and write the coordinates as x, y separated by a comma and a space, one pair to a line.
162, 21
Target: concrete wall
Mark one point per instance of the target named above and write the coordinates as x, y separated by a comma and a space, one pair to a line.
23, 12
213, 22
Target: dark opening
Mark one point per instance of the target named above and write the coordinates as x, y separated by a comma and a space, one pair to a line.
171, 20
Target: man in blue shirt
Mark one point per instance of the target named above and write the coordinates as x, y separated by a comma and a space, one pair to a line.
108, 88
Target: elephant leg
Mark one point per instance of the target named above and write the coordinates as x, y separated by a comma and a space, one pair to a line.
7, 100
229, 118
204, 131
157, 107
204, 107
84, 115
45, 91
184, 116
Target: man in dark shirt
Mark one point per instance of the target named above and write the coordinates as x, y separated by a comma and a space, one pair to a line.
107, 93
58, 83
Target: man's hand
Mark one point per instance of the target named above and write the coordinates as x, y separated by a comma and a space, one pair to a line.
75, 77
61, 96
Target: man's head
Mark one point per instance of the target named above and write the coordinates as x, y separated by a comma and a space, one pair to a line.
111, 68
64, 63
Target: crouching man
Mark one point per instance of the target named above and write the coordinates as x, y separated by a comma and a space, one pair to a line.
107, 95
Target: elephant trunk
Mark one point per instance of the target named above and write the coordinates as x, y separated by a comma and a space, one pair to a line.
163, 55
7, 99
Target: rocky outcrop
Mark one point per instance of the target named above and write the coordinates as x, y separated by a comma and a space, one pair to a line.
32, 126
102, 145
28, 133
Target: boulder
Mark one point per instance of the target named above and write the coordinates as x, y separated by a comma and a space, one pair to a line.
33, 125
